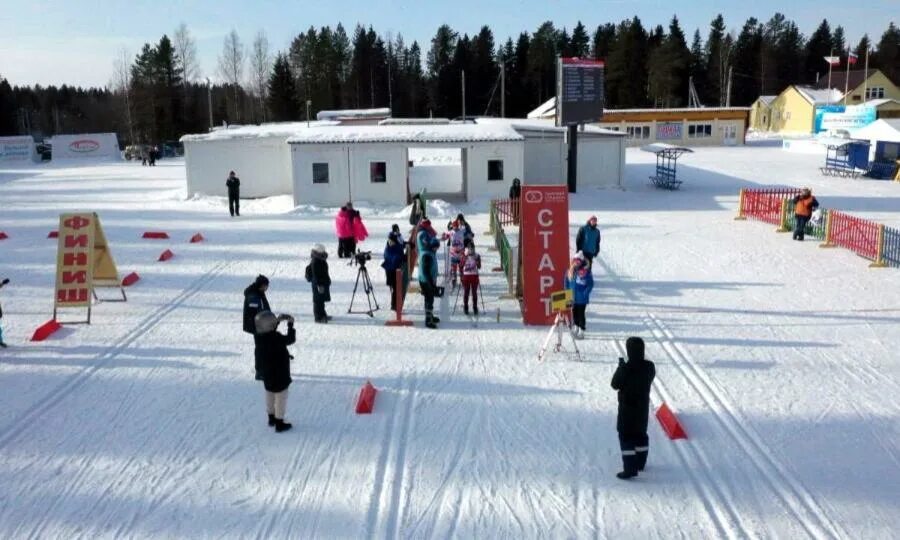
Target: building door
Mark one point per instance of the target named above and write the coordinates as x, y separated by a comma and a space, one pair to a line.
729, 135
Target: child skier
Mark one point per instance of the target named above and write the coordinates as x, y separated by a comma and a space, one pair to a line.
457, 241
471, 263
580, 280
2, 343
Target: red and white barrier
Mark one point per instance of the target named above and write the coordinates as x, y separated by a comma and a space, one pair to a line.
156, 235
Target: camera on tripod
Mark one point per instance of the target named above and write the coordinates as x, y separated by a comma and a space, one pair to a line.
362, 257
363, 275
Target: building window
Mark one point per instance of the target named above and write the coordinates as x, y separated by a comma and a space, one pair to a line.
876, 92
638, 132
495, 169
320, 173
378, 172
699, 131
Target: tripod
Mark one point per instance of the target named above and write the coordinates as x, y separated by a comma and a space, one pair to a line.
563, 323
363, 274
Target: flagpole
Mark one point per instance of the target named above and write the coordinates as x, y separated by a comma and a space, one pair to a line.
847, 78
829, 67
866, 77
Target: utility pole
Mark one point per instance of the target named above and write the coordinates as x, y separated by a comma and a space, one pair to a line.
502, 89
464, 96
209, 101
728, 92
308, 103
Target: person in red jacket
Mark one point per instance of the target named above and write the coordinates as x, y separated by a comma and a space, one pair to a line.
804, 205
343, 226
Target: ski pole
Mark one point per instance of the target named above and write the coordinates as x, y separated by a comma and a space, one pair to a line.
455, 302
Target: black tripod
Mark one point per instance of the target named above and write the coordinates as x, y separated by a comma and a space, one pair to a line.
367, 286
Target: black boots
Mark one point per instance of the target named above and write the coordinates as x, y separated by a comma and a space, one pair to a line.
626, 475
281, 425
431, 321
271, 419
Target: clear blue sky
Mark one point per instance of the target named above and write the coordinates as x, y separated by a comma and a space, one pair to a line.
73, 41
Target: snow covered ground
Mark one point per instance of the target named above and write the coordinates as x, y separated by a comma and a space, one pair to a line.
781, 359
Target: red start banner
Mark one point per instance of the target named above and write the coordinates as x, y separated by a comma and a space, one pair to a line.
544, 239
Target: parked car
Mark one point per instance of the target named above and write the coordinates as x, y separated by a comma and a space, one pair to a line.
45, 150
137, 151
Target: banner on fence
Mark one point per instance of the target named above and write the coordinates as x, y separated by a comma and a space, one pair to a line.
544, 237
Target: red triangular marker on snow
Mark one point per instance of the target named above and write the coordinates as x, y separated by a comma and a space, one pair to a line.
43, 331
130, 279
166, 255
3, 235
157, 235
670, 423
53, 234
366, 401
197, 238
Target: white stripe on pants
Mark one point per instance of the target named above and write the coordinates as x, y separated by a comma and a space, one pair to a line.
276, 403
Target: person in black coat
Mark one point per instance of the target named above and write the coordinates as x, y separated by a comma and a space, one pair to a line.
321, 282
515, 190
255, 301
273, 349
633, 380
233, 183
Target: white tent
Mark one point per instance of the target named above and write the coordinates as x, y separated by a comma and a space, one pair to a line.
879, 130
370, 163
86, 146
257, 154
17, 150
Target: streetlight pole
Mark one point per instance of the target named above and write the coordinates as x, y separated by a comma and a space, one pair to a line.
209, 101
308, 103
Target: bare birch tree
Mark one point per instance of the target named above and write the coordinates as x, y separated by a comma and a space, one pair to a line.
186, 52
122, 84
260, 66
231, 66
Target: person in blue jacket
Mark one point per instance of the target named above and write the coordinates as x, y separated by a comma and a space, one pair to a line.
580, 280
428, 273
588, 239
395, 259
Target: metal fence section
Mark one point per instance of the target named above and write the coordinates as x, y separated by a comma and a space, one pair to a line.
766, 204
890, 247
860, 236
502, 214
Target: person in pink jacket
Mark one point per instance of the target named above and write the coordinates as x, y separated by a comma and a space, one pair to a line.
359, 228
343, 225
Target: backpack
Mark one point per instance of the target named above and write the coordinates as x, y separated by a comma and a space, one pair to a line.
309, 274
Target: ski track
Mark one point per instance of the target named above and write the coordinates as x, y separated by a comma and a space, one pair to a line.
796, 498
56, 396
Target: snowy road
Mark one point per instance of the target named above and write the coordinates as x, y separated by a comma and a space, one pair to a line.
780, 358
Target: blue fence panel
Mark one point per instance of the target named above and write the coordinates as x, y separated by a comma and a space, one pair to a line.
891, 253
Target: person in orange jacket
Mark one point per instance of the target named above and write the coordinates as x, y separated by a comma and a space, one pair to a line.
804, 205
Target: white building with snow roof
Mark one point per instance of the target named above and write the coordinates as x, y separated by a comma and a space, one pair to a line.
257, 154
332, 165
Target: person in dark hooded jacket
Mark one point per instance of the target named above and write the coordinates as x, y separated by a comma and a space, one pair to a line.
276, 364
255, 301
321, 282
633, 380
395, 259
